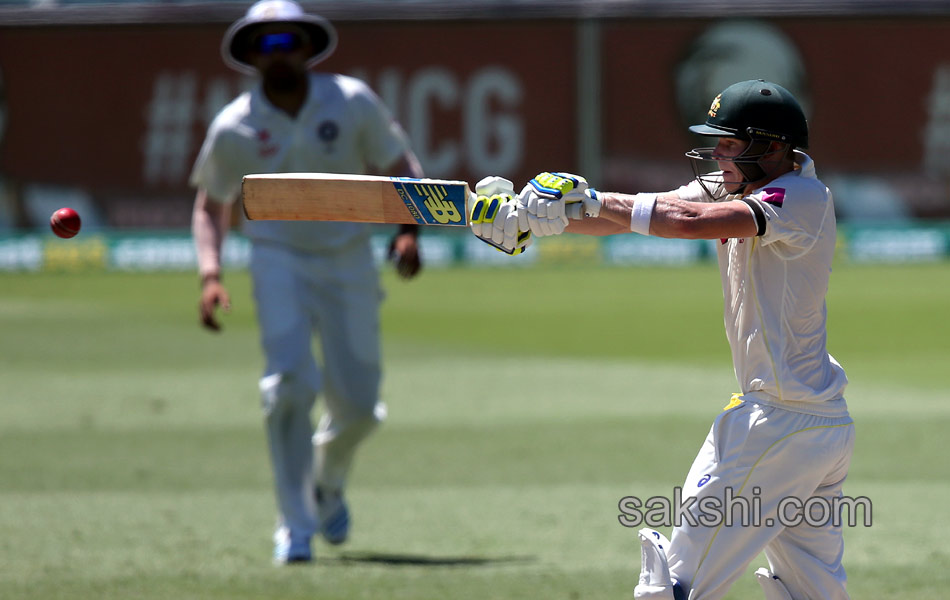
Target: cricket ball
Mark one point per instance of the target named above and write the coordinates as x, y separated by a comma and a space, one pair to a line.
65, 222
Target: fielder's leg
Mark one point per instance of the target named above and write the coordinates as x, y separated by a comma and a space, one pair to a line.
288, 390
349, 333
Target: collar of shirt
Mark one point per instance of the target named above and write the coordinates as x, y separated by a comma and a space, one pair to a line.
263, 106
806, 165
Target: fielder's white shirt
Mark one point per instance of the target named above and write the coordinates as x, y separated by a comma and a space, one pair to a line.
774, 288
342, 127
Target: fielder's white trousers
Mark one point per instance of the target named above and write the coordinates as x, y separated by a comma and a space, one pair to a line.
770, 454
335, 298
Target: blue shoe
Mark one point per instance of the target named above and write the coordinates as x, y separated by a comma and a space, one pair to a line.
290, 549
334, 516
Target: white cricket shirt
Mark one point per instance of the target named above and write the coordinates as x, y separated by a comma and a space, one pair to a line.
342, 127
774, 288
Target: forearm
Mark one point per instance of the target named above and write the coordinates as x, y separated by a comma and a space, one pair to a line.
209, 226
669, 216
597, 226
650, 209
615, 214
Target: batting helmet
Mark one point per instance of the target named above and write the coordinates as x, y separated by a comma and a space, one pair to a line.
238, 38
756, 110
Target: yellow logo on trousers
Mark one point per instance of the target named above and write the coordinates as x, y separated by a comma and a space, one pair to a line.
734, 402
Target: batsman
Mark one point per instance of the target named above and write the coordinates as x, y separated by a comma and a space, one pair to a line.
787, 433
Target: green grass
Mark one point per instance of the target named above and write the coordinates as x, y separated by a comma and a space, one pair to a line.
523, 405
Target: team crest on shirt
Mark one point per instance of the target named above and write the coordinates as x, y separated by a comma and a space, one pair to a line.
328, 132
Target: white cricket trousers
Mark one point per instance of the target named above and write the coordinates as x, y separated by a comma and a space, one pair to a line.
778, 458
336, 298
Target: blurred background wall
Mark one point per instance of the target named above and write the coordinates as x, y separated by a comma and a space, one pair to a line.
104, 106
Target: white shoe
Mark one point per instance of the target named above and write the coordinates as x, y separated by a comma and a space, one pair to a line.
334, 516
289, 548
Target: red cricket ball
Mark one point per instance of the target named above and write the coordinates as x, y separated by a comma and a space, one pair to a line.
65, 222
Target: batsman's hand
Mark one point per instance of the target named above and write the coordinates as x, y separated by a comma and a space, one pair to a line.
213, 294
494, 217
551, 198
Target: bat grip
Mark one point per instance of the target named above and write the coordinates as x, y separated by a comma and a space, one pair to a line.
574, 211
472, 197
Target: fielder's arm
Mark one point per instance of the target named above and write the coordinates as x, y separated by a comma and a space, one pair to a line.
210, 223
670, 217
404, 246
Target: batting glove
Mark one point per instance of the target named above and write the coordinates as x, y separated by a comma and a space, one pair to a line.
494, 218
551, 198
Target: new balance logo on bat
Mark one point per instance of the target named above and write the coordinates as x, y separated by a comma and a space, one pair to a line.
433, 204
441, 210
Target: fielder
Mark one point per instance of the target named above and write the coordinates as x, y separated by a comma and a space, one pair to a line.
309, 278
788, 433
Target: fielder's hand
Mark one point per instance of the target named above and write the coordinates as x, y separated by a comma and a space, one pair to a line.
551, 198
494, 218
404, 253
213, 294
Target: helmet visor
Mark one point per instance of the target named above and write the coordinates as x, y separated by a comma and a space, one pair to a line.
753, 164
707, 173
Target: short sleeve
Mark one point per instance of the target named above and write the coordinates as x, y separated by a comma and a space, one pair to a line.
795, 215
383, 139
216, 169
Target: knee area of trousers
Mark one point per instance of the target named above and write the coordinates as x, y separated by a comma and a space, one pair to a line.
284, 391
370, 417
364, 422
355, 426
772, 586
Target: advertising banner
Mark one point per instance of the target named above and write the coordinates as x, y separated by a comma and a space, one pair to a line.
111, 117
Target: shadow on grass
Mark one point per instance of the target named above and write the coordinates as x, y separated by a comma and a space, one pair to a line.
419, 560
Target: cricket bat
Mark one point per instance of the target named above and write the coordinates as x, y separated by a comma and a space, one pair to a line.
356, 198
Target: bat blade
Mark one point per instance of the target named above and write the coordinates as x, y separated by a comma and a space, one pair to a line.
355, 199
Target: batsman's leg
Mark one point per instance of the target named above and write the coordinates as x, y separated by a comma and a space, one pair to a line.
755, 456
808, 558
655, 582
772, 586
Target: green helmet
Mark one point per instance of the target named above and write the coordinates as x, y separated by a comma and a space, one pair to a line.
756, 110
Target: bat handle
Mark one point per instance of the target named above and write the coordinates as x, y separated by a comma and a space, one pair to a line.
574, 211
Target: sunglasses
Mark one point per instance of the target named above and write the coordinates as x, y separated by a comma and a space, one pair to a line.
277, 42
